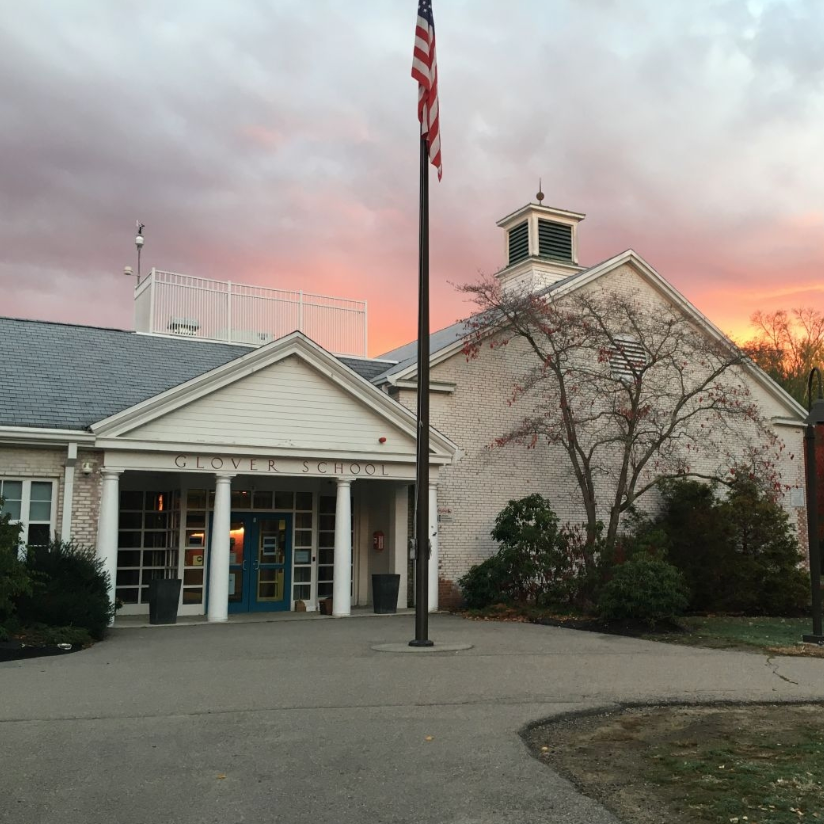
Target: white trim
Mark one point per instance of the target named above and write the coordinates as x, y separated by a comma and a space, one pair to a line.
114, 446
68, 493
792, 422
444, 387
572, 217
25, 502
34, 436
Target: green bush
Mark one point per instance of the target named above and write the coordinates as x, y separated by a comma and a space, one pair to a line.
485, 584
646, 588
14, 578
537, 562
738, 553
70, 588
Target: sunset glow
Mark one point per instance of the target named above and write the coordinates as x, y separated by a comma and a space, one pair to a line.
258, 146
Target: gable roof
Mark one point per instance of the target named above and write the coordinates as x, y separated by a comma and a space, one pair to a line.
448, 341
67, 376
334, 377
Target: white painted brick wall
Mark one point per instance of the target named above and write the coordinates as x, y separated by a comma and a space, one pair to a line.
481, 483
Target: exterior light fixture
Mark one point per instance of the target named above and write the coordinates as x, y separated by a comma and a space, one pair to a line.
815, 417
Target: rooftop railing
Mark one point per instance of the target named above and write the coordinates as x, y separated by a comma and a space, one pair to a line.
168, 303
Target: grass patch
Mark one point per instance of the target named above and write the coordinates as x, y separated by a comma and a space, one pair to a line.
758, 764
776, 635
746, 779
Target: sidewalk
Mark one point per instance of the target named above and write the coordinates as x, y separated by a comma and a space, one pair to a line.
142, 621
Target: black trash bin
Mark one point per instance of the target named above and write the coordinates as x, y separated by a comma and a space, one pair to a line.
385, 593
164, 596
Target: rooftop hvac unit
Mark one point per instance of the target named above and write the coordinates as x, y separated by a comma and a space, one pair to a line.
187, 327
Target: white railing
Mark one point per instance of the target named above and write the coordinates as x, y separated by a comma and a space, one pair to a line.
167, 303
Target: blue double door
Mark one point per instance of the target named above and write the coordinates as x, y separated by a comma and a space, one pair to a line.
260, 562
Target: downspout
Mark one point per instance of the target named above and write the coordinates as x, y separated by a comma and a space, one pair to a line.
68, 493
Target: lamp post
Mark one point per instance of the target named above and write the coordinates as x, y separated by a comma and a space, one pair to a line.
815, 416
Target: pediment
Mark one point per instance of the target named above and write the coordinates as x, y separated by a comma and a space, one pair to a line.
293, 397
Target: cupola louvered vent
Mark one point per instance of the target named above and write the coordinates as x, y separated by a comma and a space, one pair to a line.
518, 243
626, 357
554, 240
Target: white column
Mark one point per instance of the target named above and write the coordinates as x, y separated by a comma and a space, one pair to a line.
433, 542
219, 551
107, 524
400, 540
342, 585
68, 493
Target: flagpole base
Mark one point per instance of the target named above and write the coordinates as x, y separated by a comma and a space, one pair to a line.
421, 642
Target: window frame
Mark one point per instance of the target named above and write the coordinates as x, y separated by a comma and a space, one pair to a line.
25, 518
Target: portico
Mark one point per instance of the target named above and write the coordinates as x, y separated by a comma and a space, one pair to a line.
257, 504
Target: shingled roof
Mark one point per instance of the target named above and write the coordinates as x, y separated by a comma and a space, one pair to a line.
65, 376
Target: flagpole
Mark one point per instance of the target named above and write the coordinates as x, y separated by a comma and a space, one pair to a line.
422, 545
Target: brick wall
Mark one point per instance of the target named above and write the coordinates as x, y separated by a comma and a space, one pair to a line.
50, 464
481, 483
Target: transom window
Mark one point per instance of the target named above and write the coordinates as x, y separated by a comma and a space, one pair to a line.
30, 503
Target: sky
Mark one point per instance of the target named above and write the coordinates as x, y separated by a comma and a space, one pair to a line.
276, 143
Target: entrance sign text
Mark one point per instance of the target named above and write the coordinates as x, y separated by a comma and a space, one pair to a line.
218, 463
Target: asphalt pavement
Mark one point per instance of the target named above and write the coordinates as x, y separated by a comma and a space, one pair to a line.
303, 722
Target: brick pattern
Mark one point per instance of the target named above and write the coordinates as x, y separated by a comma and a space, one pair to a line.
86, 497
27, 462
50, 464
480, 484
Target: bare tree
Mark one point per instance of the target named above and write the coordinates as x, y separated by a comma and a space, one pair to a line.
786, 345
632, 394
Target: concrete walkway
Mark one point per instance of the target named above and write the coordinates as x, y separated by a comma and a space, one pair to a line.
302, 722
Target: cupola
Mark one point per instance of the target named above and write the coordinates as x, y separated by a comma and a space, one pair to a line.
541, 246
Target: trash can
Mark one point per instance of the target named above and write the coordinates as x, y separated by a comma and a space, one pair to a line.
164, 596
385, 594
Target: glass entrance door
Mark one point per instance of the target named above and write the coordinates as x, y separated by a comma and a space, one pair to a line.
260, 562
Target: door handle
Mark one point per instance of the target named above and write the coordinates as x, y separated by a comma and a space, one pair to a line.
256, 565
244, 565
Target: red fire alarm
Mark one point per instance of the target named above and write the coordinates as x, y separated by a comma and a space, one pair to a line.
381, 440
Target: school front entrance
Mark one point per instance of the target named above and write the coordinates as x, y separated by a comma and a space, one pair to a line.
260, 562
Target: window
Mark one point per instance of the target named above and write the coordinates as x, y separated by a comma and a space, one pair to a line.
147, 542
626, 357
326, 546
30, 503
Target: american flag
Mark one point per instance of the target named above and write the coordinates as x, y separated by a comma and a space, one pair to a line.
425, 71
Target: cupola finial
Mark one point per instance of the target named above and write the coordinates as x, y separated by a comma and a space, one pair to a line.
540, 194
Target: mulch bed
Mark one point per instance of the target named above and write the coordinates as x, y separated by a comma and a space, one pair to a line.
18, 651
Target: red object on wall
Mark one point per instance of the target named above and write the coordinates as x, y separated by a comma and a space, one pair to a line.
378, 541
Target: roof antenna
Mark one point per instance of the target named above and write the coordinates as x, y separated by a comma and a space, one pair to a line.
138, 242
540, 194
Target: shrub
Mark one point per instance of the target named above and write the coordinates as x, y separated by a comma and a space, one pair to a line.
738, 554
485, 584
537, 562
646, 588
14, 578
70, 588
